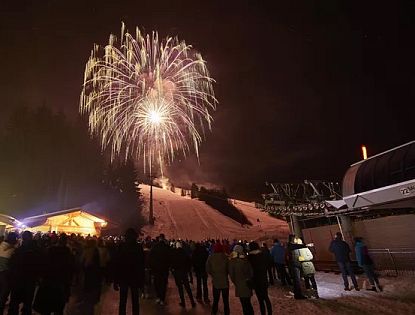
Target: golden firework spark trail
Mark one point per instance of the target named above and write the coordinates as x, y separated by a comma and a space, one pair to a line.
147, 97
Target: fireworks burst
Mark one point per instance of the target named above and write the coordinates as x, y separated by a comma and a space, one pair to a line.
147, 97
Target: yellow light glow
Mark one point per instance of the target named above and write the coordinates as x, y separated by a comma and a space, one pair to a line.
364, 152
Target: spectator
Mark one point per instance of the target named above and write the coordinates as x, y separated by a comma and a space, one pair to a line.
7, 249
259, 262
305, 257
159, 264
57, 272
25, 267
199, 258
181, 264
187, 247
104, 258
278, 255
91, 267
294, 267
226, 247
217, 268
270, 263
341, 251
129, 271
147, 271
366, 263
240, 272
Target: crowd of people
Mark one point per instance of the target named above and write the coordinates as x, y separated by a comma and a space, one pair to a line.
44, 271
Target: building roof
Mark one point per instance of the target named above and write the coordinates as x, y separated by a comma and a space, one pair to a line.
384, 180
44, 217
387, 168
9, 220
384, 152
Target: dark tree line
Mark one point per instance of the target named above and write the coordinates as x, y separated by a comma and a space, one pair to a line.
219, 200
48, 163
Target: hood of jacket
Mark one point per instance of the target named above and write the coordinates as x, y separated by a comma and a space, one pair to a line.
234, 255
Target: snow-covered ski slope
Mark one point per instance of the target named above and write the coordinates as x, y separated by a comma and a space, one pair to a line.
185, 218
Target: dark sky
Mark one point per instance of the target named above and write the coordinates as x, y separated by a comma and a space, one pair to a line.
301, 84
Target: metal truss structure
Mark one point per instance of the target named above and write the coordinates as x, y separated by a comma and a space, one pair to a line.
307, 198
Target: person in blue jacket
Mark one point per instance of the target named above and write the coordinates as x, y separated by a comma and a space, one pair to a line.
278, 255
365, 261
341, 251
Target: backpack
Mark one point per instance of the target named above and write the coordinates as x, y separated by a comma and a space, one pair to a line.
302, 255
306, 254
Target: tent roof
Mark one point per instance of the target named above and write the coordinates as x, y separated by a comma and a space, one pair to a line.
46, 216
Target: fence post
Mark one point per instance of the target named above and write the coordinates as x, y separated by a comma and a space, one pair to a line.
393, 261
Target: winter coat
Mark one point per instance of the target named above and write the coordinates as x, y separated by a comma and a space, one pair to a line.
259, 263
341, 250
362, 254
160, 258
240, 272
25, 265
57, 260
6, 251
129, 265
92, 271
267, 254
180, 260
217, 267
290, 255
199, 258
54, 290
304, 259
187, 249
104, 256
302, 254
147, 257
278, 253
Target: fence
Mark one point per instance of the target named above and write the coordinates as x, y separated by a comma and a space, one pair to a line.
394, 262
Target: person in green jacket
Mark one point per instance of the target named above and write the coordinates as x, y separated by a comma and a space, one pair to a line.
240, 272
217, 268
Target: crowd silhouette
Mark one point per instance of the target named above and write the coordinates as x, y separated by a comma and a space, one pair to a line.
43, 272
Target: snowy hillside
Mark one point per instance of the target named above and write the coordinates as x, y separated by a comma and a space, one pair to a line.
181, 217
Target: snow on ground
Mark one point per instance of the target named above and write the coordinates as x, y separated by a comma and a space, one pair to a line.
397, 298
181, 217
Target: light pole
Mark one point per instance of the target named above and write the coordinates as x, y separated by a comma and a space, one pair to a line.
150, 214
154, 118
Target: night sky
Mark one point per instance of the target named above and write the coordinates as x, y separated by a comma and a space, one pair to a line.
301, 84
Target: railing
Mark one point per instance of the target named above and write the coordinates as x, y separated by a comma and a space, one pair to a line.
394, 262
